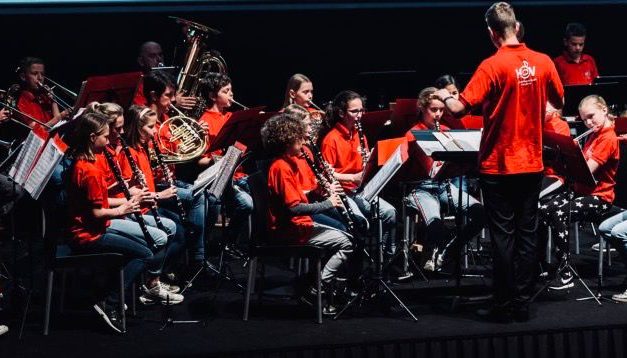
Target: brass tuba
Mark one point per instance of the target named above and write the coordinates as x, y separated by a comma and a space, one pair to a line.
198, 63
182, 138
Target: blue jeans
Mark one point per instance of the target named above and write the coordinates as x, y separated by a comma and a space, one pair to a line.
387, 215
239, 205
195, 209
137, 253
430, 197
614, 229
132, 230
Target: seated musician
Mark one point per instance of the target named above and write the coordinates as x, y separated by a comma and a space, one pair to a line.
217, 91
342, 148
91, 216
34, 100
591, 203
307, 178
159, 91
431, 198
289, 209
468, 120
151, 56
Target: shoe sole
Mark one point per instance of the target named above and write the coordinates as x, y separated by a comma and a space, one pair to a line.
569, 285
624, 299
106, 318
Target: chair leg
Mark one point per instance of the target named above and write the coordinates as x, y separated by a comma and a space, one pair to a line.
252, 270
319, 285
48, 301
609, 253
121, 306
133, 302
62, 296
306, 265
577, 237
549, 244
261, 283
299, 265
600, 263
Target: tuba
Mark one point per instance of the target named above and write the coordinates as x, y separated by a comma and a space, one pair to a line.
182, 138
198, 63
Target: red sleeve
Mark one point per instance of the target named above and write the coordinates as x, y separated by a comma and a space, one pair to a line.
285, 185
603, 150
477, 89
92, 187
595, 70
329, 150
555, 94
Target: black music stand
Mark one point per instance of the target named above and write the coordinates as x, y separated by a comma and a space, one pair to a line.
374, 285
571, 165
244, 127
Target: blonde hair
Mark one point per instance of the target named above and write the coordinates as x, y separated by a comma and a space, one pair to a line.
294, 84
109, 109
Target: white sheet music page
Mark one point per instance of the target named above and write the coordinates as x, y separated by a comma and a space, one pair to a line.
207, 177
383, 176
42, 171
28, 155
227, 168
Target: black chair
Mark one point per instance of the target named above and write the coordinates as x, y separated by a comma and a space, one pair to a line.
59, 256
259, 250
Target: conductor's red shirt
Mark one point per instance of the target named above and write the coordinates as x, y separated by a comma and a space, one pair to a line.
285, 192
512, 87
87, 191
576, 73
556, 124
602, 147
340, 148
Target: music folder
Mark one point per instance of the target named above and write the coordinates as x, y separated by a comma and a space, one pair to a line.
569, 161
374, 123
373, 187
117, 88
244, 127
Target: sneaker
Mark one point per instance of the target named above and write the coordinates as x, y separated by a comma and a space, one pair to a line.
429, 265
329, 310
595, 247
110, 316
158, 294
435, 262
620, 297
564, 281
3, 329
170, 287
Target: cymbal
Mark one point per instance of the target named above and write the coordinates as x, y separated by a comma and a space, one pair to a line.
195, 25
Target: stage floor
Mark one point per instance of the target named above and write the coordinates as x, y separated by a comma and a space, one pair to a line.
283, 325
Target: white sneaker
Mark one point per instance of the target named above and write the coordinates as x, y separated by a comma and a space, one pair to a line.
3, 329
595, 247
620, 297
429, 265
158, 294
170, 288
564, 281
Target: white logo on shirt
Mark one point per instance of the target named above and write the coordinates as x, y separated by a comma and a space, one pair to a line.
526, 74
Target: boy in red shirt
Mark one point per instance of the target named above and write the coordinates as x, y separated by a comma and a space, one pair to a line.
289, 210
592, 203
33, 99
574, 66
512, 87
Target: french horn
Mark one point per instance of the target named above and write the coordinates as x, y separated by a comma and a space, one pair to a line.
181, 138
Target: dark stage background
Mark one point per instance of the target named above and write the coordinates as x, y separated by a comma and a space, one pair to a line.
339, 45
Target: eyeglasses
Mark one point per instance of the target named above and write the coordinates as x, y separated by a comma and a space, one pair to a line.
355, 111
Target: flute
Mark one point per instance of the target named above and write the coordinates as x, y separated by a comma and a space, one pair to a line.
127, 194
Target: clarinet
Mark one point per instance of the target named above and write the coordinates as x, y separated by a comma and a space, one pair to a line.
447, 182
127, 194
362, 144
142, 180
325, 178
170, 179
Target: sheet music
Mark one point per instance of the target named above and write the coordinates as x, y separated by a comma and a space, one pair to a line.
459, 140
41, 173
383, 176
206, 177
227, 168
427, 144
25, 160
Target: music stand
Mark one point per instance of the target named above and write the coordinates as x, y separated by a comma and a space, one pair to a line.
244, 127
613, 91
571, 165
374, 283
117, 88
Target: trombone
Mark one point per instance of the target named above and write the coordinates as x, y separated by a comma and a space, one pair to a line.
13, 110
58, 100
64, 89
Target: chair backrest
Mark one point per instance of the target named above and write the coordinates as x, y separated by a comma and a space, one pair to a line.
54, 205
258, 184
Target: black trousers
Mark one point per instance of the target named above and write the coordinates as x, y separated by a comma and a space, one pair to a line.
511, 205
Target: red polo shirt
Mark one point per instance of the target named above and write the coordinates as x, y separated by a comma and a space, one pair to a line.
36, 106
215, 121
555, 123
340, 150
87, 190
512, 87
306, 176
139, 98
142, 160
576, 73
285, 192
602, 147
